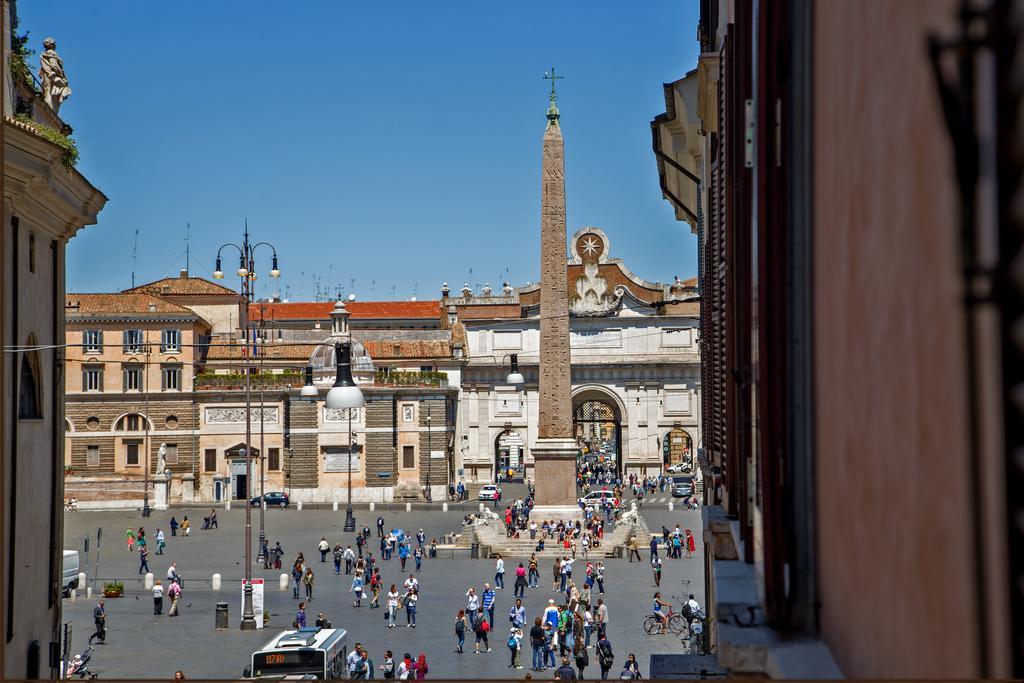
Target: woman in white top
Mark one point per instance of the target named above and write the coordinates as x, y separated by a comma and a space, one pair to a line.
392, 605
472, 605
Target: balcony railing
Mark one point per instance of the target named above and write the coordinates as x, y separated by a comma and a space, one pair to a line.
236, 380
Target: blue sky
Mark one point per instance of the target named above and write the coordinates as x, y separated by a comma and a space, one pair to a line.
394, 143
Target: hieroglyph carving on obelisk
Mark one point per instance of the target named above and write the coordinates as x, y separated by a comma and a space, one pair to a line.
555, 375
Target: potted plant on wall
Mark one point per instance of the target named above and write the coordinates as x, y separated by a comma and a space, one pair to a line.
113, 590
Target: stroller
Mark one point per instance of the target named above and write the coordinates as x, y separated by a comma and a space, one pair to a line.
206, 524
79, 666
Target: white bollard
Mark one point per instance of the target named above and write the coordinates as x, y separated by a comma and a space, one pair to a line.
227, 505
147, 582
481, 507
215, 582
408, 507
299, 506
671, 506
81, 579
264, 503
335, 506
282, 582
73, 594
444, 507
373, 506
88, 591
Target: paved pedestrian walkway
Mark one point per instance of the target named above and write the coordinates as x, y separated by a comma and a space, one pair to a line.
141, 644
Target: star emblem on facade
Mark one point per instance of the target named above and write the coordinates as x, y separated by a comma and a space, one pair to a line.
590, 246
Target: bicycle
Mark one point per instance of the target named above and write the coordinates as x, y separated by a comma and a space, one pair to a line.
693, 640
676, 623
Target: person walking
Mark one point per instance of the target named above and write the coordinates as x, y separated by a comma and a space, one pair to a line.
296, 578
99, 617
392, 605
129, 536
691, 544
174, 526
357, 590
417, 556
421, 667
599, 576
472, 605
556, 572
158, 598
519, 590
537, 645
403, 553
410, 608
515, 638
656, 568
376, 585
307, 582
601, 618
480, 628
499, 573
350, 557
174, 594
143, 559
336, 554
634, 549
160, 542
380, 526
300, 616
460, 630
186, 526
324, 547
605, 656
582, 657
517, 614
278, 553
488, 601
654, 548
533, 572
213, 519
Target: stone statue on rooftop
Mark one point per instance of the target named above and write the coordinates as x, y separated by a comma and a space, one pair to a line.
52, 76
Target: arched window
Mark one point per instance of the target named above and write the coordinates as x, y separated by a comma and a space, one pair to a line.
132, 422
28, 389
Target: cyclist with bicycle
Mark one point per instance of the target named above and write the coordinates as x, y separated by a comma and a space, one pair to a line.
657, 611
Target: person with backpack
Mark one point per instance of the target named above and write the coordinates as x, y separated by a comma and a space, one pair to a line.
460, 630
515, 637
605, 656
632, 668
582, 657
336, 555
480, 628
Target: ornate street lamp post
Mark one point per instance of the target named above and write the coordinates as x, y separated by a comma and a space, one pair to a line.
346, 395
247, 272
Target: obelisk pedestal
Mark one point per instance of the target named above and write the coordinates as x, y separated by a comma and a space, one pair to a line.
555, 450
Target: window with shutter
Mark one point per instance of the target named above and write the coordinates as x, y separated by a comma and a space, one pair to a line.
210, 460
274, 459
171, 455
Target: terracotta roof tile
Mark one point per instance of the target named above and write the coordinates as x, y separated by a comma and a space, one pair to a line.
218, 351
121, 303
177, 286
359, 310
394, 349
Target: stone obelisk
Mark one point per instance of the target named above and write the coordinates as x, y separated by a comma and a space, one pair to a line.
555, 450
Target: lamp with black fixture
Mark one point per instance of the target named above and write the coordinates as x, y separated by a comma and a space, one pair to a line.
345, 395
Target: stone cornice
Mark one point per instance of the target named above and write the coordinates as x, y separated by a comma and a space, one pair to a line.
41, 188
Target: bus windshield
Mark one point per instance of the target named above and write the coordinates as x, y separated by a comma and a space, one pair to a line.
302, 661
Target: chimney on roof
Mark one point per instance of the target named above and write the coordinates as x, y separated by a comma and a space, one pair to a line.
152, 307
165, 289
445, 291
453, 316
183, 274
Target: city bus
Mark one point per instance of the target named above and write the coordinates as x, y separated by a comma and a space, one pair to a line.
305, 653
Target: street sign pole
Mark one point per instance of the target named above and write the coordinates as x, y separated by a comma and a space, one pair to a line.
96, 567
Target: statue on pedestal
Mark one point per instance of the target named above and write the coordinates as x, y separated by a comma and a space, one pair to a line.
161, 463
52, 76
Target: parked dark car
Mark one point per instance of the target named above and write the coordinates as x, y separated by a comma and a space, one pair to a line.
278, 498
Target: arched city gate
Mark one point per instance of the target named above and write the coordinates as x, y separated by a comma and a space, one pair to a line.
509, 448
597, 427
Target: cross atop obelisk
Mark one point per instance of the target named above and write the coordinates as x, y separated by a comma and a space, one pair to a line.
555, 450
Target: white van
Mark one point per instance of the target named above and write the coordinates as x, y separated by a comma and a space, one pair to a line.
71, 569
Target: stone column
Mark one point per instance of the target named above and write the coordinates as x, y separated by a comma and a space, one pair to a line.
555, 450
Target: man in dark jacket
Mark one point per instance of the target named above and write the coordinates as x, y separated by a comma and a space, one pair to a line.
565, 672
605, 657
537, 643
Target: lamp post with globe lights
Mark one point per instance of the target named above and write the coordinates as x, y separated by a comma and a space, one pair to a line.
247, 272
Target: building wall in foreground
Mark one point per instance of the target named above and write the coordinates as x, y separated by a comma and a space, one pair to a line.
891, 408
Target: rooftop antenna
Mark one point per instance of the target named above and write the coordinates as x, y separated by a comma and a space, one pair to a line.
373, 288
392, 291
135, 252
352, 286
188, 229
415, 289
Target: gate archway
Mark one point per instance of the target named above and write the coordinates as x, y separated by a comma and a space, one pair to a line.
509, 448
597, 426
677, 449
